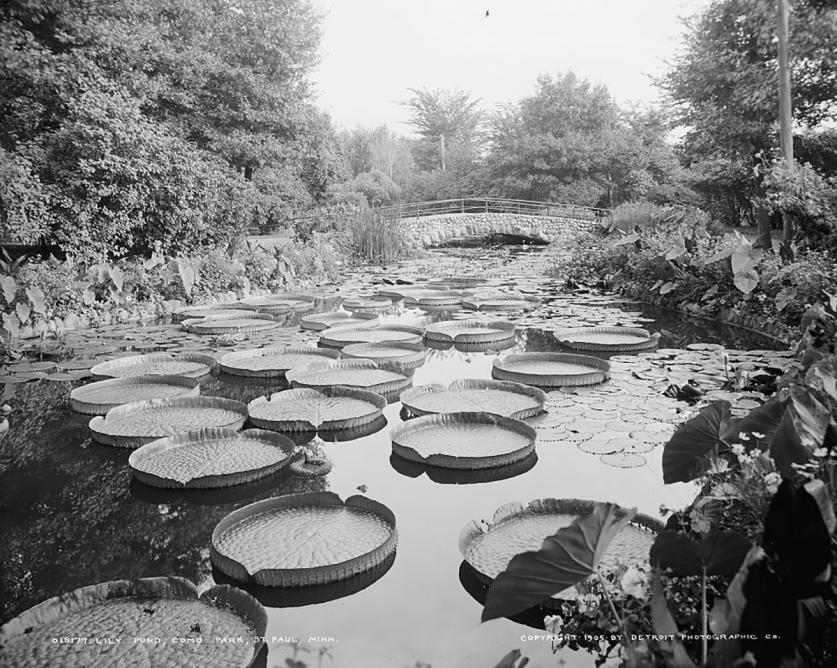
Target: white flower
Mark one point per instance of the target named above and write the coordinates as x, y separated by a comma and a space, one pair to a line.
738, 450
743, 436
757, 434
586, 603
633, 583
553, 624
772, 482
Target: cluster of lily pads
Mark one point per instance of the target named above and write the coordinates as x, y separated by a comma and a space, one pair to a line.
365, 359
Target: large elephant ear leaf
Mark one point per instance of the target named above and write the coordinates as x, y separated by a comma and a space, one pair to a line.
664, 625
723, 552
566, 558
797, 533
684, 455
763, 420
720, 553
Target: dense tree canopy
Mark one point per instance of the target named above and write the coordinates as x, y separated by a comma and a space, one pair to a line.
127, 122
724, 89
570, 142
448, 123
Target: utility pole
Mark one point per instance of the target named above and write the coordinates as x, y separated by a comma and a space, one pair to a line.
786, 131
442, 150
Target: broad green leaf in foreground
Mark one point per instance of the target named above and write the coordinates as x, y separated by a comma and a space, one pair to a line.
565, 559
663, 624
720, 553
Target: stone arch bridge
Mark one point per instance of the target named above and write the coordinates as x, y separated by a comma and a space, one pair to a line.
480, 220
475, 221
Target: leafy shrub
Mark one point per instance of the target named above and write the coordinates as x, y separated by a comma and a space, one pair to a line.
684, 259
809, 198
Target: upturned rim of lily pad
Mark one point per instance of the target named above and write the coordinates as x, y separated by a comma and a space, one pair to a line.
300, 376
224, 598
414, 354
317, 322
411, 399
251, 322
173, 478
589, 339
340, 337
105, 429
446, 331
502, 369
302, 576
401, 433
81, 401
375, 404
105, 370
516, 512
228, 361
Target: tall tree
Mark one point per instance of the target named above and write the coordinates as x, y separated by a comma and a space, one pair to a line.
724, 88
137, 116
571, 142
448, 123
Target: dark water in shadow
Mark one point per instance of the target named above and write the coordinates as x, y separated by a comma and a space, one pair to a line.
72, 516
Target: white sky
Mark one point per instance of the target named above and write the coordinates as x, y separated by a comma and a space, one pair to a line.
374, 50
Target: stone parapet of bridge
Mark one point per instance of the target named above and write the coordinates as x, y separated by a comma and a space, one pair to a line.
429, 231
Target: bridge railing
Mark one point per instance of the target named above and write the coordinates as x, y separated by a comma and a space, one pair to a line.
452, 206
493, 205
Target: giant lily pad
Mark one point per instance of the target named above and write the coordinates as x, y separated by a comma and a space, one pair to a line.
192, 365
401, 355
303, 539
307, 409
551, 369
271, 362
124, 610
140, 422
363, 374
320, 321
607, 339
373, 305
209, 312
338, 337
253, 322
505, 303
98, 398
463, 440
489, 396
211, 458
442, 299
536, 552
470, 331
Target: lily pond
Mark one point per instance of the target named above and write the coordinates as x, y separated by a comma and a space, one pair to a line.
73, 514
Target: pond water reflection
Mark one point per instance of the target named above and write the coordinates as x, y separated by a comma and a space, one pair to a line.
72, 516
